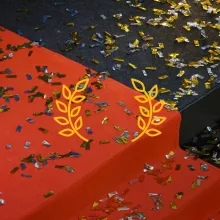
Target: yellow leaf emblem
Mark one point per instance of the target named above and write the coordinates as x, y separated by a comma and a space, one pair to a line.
66, 92
144, 111
78, 98
158, 120
153, 132
66, 132
61, 120
158, 106
141, 98
75, 111
141, 123
78, 123
153, 92
83, 82
61, 106
137, 83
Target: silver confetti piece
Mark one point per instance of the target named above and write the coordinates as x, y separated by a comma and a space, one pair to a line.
204, 167
27, 144
45, 143
202, 177
127, 111
121, 104
2, 201
122, 208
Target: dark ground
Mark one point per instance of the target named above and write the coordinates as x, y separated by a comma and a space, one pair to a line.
55, 33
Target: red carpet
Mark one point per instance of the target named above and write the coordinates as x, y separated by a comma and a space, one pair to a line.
199, 203
98, 170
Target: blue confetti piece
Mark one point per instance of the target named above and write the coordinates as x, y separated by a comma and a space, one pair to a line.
48, 113
7, 70
45, 18
44, 162
23, 166
52, 157
44, 69
8, 146
42, 44
89, 90
29, 77
4, 107
37, 39
9, 88
16, 97
74, 154
82, 45
74, 13
19, 32
59, 3
89, 130
30, 120
26, 175
7, 100
18, 129
70, 10
34, 161
69, 169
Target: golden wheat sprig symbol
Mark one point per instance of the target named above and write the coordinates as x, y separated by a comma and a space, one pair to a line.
148, 112
71, 113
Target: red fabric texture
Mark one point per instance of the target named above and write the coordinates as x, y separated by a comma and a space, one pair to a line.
97, 170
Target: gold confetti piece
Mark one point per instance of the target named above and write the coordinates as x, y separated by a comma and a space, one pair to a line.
179, 195
173, 205
169, 180
88, 112
163, 77
123, 27
93, 96
196, 42
149, 38
158, 11
132, 65
142, 8
164, 90
104, 142
154, 51
182, 39
186, 27
119, 60
207, 85
174, 55
95, 61
100, 110
141, 33
95, 205
51, 193
104, 121
178, 166
15, 169
181, 73
135, 44
161, 45
150, 68
194, 185
118, 128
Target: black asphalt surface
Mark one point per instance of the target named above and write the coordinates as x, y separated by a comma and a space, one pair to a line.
55, 33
